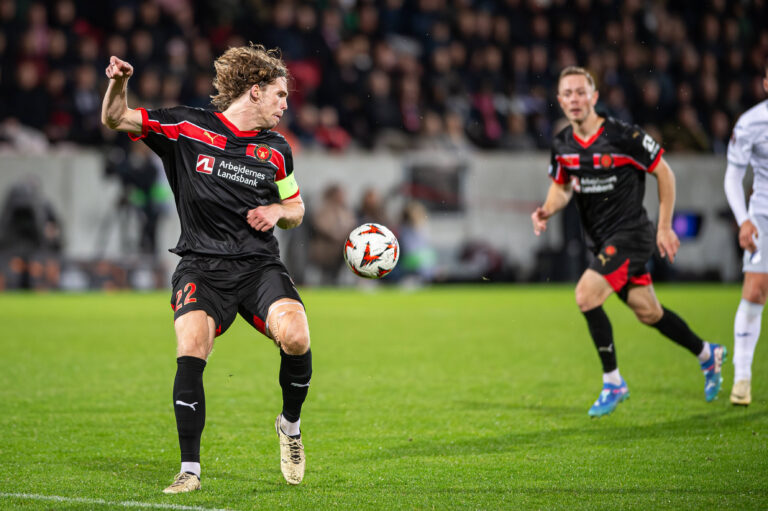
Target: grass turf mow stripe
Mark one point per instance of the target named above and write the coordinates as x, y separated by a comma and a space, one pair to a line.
102, 502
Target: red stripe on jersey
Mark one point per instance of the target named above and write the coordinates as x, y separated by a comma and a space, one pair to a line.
189, 130
233, 128
568, 161
618, 278
144, 125
641, 280
656, 161
559, 177
259, 324
619, 160
278, 160
587, 143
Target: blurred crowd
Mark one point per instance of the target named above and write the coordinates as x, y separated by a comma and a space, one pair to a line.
395, 74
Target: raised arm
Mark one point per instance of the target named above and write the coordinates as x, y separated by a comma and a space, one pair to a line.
666, 239
558, 196
115, 113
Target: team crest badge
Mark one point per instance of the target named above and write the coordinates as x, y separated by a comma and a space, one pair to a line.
606, 161
262, 152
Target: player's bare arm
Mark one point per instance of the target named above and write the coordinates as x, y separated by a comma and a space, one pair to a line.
115, 113
286, 214
557, 198
666, 239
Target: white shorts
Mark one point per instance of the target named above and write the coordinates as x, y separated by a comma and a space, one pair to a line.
757, 262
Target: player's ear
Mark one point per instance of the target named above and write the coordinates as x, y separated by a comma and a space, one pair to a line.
595, 95
255, 92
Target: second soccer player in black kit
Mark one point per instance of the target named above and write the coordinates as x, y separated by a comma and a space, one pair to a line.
232, 180
604, 162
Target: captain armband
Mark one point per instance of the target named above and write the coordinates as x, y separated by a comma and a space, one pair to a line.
287, 187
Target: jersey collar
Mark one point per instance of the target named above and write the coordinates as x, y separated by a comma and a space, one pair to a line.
586, 143
233, 128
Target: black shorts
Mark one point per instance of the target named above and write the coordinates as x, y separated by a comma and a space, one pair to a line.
622, 259
225, 287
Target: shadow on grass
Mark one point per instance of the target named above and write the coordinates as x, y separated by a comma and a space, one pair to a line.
604, 431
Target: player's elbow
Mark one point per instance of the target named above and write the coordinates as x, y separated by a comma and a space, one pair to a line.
110, 121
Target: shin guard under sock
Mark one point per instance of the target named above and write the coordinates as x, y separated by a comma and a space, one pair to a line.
673, 327
602, 335
189, 406
295, 373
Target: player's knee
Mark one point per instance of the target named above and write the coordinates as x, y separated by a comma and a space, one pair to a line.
649, 315
754, 294
193, 347
294, 333
585, 300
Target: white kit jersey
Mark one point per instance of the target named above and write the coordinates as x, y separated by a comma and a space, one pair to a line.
749, 146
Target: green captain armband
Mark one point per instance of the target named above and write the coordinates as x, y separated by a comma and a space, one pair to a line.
287, 187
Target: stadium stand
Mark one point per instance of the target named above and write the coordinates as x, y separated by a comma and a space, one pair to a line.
372, 74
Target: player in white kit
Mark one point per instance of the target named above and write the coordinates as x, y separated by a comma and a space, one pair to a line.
749, 146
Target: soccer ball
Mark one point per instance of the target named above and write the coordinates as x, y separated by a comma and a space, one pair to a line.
371, 251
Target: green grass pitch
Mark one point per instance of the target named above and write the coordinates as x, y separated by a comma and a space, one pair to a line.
442, 398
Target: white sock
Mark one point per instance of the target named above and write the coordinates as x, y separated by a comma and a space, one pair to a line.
191, 466
613, 377
290, 428
706, 352
746, 332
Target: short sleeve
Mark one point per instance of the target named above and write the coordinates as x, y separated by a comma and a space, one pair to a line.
644, 152
557, 168
740, 145
160, 128
282, 158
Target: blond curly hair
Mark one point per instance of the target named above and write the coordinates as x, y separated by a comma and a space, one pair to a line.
238, 69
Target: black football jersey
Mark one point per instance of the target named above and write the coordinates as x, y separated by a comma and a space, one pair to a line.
607, 173
218, 173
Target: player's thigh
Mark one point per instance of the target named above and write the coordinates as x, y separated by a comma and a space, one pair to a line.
195, 332
192, 292
755, 287
262, 287
592, 290
644, 303
623, 257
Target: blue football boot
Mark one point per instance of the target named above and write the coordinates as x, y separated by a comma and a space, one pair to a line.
609, 399
713, 380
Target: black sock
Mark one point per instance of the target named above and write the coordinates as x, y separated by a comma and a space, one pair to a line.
673, 326
602, 336
189, 406
295, 373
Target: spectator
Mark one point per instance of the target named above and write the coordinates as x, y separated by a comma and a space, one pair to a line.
649, 63
331, 222
418, 260
372, 209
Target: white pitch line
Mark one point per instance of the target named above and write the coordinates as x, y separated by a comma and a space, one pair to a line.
125, 503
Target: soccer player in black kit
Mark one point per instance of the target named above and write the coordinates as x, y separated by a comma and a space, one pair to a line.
604, 162
232, 180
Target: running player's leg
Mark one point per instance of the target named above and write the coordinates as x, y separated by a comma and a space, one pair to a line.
591, 292
746, 332
641, 298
